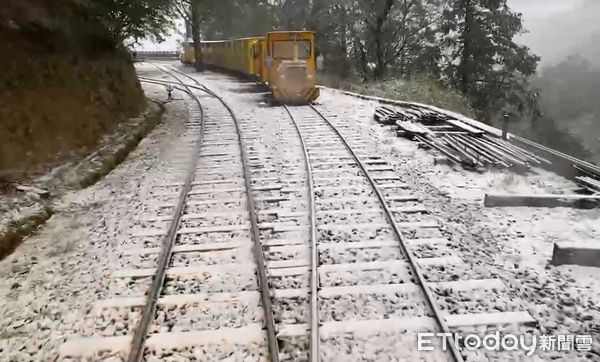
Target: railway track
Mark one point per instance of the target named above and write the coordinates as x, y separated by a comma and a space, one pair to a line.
291, 242
384, 265
360, 257
193, 286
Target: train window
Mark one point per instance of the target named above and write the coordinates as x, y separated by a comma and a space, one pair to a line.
284, 49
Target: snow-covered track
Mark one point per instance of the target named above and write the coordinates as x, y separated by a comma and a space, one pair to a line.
295, 243
377, 252
281, 189
190, 286
251, 201
282, 180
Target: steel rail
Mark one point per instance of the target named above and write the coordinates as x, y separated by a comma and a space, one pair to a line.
589, 167
314, 355
157, 82
258, 252
166, 82
136, 351
411, 260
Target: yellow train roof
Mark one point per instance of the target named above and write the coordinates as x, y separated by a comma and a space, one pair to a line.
257, 37
290, 31
225, 40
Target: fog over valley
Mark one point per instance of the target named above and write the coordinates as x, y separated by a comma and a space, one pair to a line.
565, 34
559, 28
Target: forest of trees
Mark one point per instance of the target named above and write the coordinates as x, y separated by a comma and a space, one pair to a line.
467, 46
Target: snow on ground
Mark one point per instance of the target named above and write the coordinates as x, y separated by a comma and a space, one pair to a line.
49, 283
18, 207
514, 243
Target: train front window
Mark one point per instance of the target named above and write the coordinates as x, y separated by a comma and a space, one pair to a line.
285, 49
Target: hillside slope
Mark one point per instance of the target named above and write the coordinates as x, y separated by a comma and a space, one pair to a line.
64, 83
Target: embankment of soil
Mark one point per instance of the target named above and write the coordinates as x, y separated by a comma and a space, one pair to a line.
66, 87
21, 217
64, 84
51, 108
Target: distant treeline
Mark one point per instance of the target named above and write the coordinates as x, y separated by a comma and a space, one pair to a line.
465, 44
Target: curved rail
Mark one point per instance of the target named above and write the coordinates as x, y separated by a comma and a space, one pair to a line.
150, 81
258, 253
314, 276
411, 260
167, 82
136, 350
314, 352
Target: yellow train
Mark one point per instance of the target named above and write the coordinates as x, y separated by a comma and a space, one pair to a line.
283, 60
187, 53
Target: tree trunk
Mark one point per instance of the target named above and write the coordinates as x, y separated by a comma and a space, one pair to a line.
405, 10
344, 64
379, 56
402, 65
362, 56
379, 65
195, 24
465, 63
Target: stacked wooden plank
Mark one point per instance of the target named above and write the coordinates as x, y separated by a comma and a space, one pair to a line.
591, 184
387, 116
458, 141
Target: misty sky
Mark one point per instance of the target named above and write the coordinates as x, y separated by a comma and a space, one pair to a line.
558, 28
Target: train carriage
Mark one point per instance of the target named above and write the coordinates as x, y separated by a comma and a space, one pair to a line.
236, 54
283, 60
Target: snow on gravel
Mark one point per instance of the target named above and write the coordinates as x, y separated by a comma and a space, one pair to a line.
513, 243
18, 208
50, 282
264, 129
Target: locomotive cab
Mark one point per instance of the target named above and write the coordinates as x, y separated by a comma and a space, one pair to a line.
291, 64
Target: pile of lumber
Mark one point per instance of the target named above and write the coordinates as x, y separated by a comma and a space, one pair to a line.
456, 140
589, 183
387, 116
